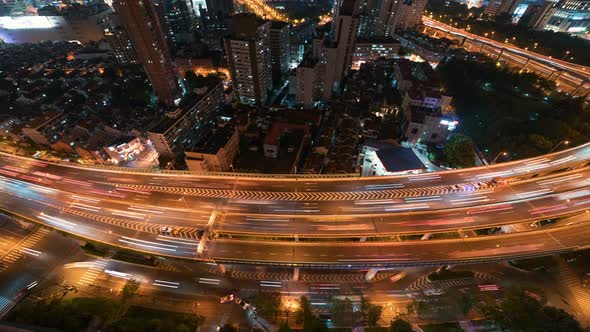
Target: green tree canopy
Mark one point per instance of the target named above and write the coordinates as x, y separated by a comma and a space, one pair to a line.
400, 325
521, 310
460, 151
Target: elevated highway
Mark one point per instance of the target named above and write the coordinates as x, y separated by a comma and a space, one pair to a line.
308, 220
571, 77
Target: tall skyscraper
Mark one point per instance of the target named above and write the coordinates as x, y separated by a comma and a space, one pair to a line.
335, 56
410, 14
248, 55
280, 48
145, 31
119, 41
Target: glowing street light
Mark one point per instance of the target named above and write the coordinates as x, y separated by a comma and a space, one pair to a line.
566, 142
498, 156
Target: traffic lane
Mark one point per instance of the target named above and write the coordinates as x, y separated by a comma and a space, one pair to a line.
563, 64
31, 271
396, 253
427, 222
85, 175
118, 235
481, 216
342, 253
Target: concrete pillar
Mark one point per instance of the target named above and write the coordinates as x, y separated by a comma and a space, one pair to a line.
482, 46
371, 274
579, 88
296, 238
526, 64
363, 239
296, 274
500, 55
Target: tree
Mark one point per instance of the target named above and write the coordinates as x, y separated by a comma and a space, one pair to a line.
305, 315
521, 310
285, 327
460, 151
267, 305
342, 312
460, 303
130, 290
400, 325
371, 312
304, 311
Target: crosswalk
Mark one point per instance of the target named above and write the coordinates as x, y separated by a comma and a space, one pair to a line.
93, 272
6, 305
580, 295
23, 248
423, 282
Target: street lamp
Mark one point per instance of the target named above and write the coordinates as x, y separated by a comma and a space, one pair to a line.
566, 54
498, 156
566, 142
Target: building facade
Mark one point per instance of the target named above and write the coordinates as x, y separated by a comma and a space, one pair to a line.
169, 135
280, 49
217, 154
145, 30
249, 59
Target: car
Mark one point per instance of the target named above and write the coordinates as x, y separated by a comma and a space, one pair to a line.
166, 230
433, 292
397, 277
243, 304
226, 299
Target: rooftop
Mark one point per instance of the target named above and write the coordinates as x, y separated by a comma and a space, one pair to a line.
397, 159
216, 141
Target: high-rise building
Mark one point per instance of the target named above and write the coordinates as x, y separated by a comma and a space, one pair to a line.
119, 41
334, 56
279, 51
145, 31
410, 14
538, 16
248, 55
572, 16
176, 18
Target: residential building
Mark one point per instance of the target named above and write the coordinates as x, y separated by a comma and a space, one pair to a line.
335, 56
36, 128
217, 154
119, 41
366, 50
410, 14
146, 32
280, 49
249, 58
309, 82
174, 131
427, 115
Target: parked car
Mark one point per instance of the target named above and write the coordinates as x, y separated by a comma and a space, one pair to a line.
226, 299
243, 304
